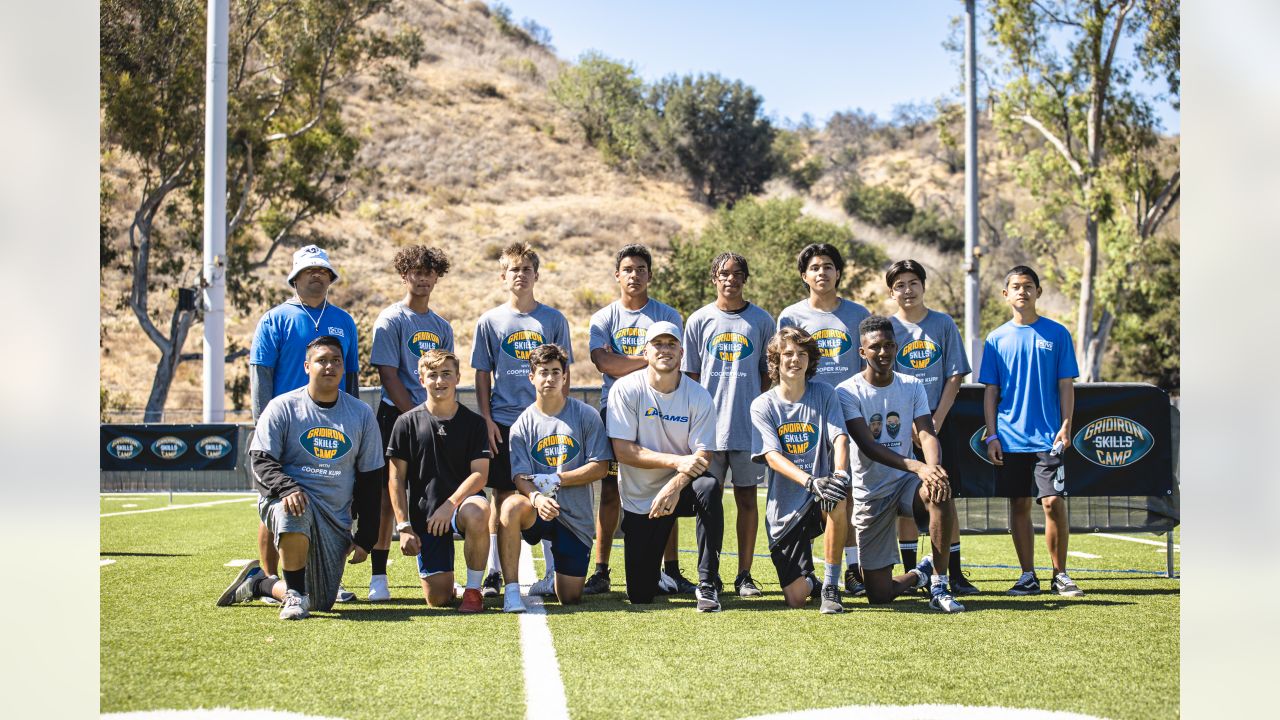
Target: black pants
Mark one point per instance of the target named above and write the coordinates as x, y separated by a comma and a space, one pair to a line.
645, 538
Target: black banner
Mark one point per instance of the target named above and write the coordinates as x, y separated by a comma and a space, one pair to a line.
168, 447
1121, 442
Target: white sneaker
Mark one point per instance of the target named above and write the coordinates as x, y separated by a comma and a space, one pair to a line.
940, 598
545, 587
666, 584
296, 606
378, 590
511, 601
344, 595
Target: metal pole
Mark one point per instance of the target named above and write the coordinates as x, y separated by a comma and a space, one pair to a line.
215, 212
1168, 551
972, 300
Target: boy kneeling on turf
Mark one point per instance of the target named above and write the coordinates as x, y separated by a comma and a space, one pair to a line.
558, 452
887, 481
800, 434
439, 451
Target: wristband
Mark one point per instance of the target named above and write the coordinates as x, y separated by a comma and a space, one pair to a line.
402, 526
533, 496
987, 440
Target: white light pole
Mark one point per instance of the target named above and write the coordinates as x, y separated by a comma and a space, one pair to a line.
972, 300
215, 212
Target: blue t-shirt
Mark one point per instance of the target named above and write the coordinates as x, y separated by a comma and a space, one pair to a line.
280, 342
1026, 362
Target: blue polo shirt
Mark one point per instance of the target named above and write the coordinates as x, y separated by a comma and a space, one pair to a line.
1026, 362
281, 338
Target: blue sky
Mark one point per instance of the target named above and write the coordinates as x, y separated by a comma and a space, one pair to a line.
814, 57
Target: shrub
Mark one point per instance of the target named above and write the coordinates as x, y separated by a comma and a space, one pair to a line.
929, 227
879, 205
605, 99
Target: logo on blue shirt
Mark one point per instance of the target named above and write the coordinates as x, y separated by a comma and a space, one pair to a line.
169, 447
655, 412
522, 342
555, 451
324, 443
630, 340
422, 341
1113, 441
832, 342
919, 354
730, 346
124, 447
796, 437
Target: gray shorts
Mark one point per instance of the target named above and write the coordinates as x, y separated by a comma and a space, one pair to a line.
279, 521
742, 472
876, 523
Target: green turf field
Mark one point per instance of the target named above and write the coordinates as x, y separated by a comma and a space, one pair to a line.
1112, 653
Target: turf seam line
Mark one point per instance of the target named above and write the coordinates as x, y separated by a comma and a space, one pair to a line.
543, 687
178, 507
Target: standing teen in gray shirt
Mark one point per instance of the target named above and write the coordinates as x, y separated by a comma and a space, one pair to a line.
724, 351
504, 338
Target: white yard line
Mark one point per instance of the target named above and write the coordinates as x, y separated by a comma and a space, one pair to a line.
543, 688
1158, 543
102, 563
179, 507
237, 563
1085, 555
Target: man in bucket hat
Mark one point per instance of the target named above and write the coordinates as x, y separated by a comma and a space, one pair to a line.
279, 350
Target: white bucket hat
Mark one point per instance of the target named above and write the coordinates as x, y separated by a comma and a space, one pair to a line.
311, 256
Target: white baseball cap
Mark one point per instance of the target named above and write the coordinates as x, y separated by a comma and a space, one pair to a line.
662, 328
311, 256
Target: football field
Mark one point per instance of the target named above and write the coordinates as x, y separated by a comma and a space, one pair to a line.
164, 645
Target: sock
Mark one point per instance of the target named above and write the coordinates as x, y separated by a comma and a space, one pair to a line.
938, 579
813, 582
263, 587
671, 567
296, 580
908, 551
494, 565
851, 556
953, 562
831, 575
602, 567
474, 578
378, 561
511, 587
548, 557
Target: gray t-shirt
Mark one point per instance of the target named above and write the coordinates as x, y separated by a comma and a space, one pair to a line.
889, 412
503, 340
837, 336
624, 332
930, 352
322, 449
727, 350
400, 337
680, 422
566, 441
805, 432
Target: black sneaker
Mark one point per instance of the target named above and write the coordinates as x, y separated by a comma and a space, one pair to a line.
831, 600
1028, 584
815, 586
708, 598
492, 584
746, 586
852, 585
960, 585
683, 586
597, 583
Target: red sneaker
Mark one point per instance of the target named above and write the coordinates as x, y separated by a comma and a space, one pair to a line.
472, 601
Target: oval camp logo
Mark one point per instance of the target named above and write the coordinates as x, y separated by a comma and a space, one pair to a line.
975, 444
422, 341
324, 443
124, 448
796, 437
213, 447
730, 346
832, 343
919, 354
630, 341
1113, 441
522, 342
555, 451
169, 447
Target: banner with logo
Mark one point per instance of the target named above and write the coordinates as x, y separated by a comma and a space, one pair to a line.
168, 447
1121, 442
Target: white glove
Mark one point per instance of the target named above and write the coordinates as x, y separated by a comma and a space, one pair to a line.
547, 483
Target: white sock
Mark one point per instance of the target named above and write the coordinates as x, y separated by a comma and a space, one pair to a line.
474, 578
851, 555
494, 564
548, 557
938, 580
512, 587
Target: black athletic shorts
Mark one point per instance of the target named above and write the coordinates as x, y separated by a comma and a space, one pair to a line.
570, 553
793, 553
612, 475
500, 463
1030, 474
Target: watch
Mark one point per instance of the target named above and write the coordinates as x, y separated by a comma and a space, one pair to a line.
402, 526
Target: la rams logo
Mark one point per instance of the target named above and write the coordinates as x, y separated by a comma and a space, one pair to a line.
124, 448
555, 451
832, 343
522, 342
422, 341
169, 447
324, 443
796, 437
630, 341
975, 444
730, 346
654, 412
919, 354
213, 447
876, 423
1113, 441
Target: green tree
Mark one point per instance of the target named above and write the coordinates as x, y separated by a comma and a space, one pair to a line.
879, 205
289, 155
1094, 162
716, 130
606, 99
770, 235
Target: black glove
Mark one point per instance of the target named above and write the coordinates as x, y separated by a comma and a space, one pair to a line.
829, 490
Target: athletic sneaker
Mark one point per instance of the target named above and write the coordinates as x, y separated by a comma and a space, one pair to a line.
960, 585
378, 590
924, 572
296, 606
708, 598
831, 600
492, 584
472, 601
344, 595
511, 601
852, 585
1028, 584
941, 599
1063, 585
597, 583
241, 589
666, 584
683, 586
746, 585
546, 587
815, 587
